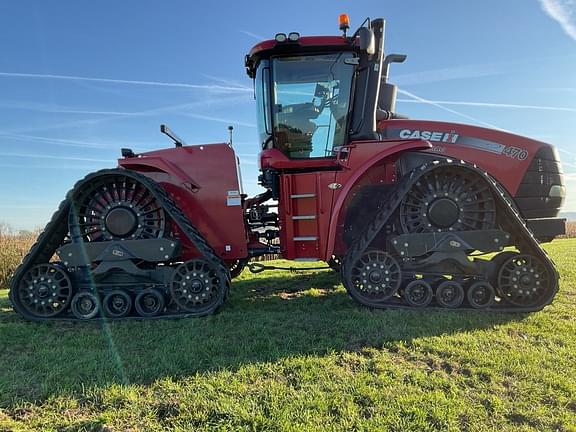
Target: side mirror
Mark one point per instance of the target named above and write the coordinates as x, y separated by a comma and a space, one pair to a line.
367, 40
392, 58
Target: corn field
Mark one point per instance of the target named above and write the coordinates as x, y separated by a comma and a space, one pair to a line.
13, 246
570, 230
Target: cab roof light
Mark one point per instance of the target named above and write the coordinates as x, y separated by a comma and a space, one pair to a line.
280, 37
344, 21
293, 37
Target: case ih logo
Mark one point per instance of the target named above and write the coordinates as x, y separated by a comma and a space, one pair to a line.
446, 137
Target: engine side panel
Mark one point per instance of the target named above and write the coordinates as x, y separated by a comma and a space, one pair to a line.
530, 170
204, 182
504, 155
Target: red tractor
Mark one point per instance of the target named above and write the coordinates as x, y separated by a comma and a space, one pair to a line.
403, 208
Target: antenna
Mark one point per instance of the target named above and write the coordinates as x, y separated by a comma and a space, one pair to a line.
166, 131
230, 130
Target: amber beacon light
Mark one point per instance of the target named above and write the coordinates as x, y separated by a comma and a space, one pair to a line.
344, 21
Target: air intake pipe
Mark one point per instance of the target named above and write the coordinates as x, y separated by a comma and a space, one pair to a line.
363, 125
387, 95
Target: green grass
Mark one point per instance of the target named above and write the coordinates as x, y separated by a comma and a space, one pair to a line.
292, 352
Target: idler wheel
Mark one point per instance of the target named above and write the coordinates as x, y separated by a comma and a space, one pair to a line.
45, 291
373, 278
149, 303
418, 293
85, 305
450, 294
480, 295
523, 280
199, 287
117, 304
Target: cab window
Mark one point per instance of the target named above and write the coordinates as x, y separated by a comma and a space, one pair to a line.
311, 98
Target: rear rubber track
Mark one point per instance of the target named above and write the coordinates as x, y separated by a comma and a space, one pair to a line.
64, 224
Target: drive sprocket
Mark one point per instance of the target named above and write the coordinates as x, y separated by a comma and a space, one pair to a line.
448, 199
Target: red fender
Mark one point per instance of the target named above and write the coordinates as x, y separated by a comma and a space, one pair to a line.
363, 156
154, 163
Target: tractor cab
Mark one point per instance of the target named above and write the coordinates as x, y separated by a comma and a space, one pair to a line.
316, 98
316, 94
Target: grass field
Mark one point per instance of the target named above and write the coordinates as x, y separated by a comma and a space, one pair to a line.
294, 352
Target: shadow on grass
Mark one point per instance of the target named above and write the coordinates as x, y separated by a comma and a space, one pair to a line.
265, 319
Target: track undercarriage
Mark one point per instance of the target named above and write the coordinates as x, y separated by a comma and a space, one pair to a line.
119, 252
421, 248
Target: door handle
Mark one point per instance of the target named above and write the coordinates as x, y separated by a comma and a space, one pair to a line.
343, 154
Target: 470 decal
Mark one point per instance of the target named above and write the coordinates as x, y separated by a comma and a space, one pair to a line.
439, 138
515, 153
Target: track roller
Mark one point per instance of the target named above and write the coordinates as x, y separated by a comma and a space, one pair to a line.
117, 304
480, 295
149, 302
85, 305
418, 293
450, 294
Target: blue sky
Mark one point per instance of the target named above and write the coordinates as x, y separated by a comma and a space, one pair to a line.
80, 80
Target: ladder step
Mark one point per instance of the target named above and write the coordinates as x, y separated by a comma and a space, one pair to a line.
306, 195
310, 238
304, 217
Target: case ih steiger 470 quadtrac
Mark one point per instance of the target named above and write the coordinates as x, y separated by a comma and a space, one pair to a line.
404, 208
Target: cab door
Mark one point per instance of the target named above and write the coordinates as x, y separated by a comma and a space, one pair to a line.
304, 212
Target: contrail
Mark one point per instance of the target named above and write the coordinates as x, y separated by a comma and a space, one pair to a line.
571, 165
451, 73
49, 167
26, 207
115, 115
61, 142
59, 109
494, 105
560, 149
218, 119
228, 82
121, 81
252, 35
437, 105
39, 156
558, 89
